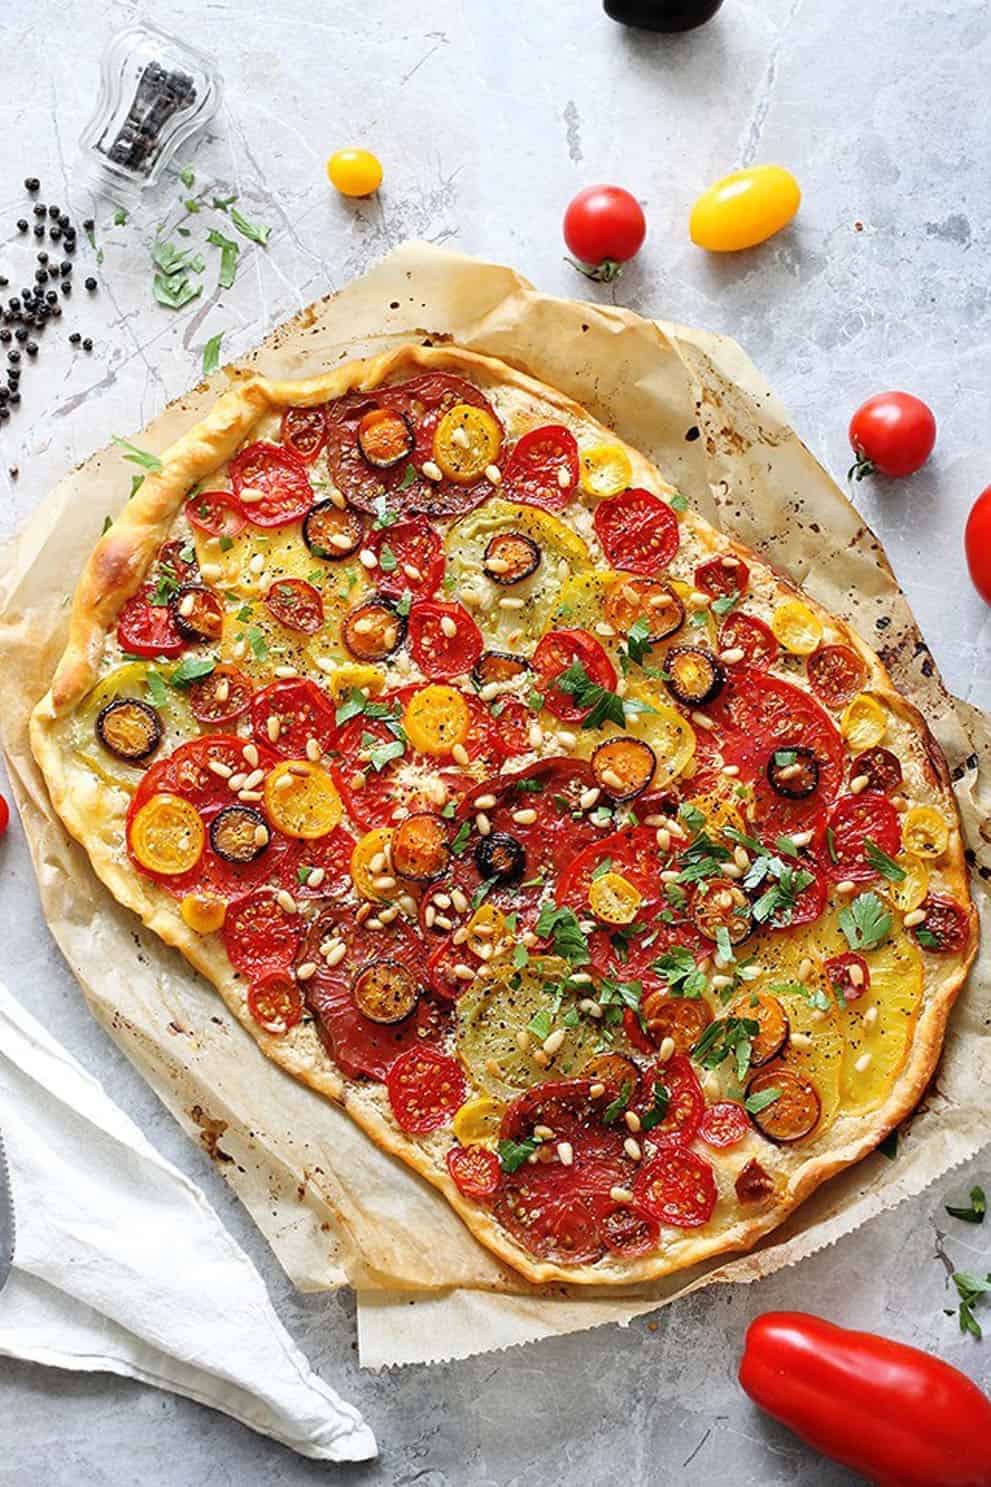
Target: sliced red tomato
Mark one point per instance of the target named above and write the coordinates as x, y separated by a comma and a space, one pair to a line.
475, 1171
557, 652
746, 633
723, 577
946, 928
724, 1124
552, 789
854, 822
513, 720
178, 559
296, 604
259, 936
221, 697
410, 558
677, 1188
187, 771
146, 629
444, 640
547, 1219
425, 1089
685, 1105
808, 904
638, 531
757, 714
848, 974
301, 711
629, 1230
401, 489
281, 477
274, 1002
218, 513
632, 852
836, 673
304, 431
881, 768
320, 868
543, 468
377, 797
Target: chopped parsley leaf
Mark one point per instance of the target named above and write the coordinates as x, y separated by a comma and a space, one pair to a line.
975, 1213
512, 1154
882, 863
865, 922
568, 937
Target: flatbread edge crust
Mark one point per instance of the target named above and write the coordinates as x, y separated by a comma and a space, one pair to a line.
115, 570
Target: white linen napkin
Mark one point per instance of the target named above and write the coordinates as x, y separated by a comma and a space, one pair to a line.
120, 1264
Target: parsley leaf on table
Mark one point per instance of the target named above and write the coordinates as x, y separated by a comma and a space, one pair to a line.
970, 1289
975, 1213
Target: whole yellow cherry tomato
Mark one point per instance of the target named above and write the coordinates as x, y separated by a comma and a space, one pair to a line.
744, 209
203, 913
354, 172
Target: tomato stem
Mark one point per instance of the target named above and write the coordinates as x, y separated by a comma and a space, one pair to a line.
603, 273
861, 466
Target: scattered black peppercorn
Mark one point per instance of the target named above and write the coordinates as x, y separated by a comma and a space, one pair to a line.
67, 288
65, 267
91, 283
15, 397
39, 209
20, 334
87, 344
22, 225
39, 230
4, 412
13, 357
69, 245
32, 184
51, 297
4, 394
56, 311
32, 348
88, 224
5, 335
42, 256
54, 211
74, 338
55, 233
41, 275
3, 281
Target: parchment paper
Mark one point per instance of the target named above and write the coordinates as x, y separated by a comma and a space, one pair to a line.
333, 1207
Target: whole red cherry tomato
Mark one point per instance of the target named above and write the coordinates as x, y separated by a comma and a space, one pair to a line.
4, 815
977, 544
662, 15
604, 227
892, 433
896, 1415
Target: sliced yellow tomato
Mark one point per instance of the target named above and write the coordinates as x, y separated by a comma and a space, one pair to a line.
744, 209
308, 806
353, 676
614, 899
581, 605
371, 869
466, 442
253, 640
477, 1122
436, 718
720, 806
864, 722
488, 933
669, 735
131, 680
796, 627
167, 835
879, 1025
533, 599
605, 470
500, 1006
203, 913
816, 1049
908, 893
925, 833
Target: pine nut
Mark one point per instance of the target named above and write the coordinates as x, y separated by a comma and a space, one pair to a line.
566, 1153
285, 901
666, 1050
731, 656
917, 916
525, 817
306, 970
493, 474
553, 1042
588, 798
215, 766
860, 782
431, 471
632, 1149
335, 955
261, 835
367, 558
273, 727
315, 877
621, 1195
632, 1120
459, 753
483, 824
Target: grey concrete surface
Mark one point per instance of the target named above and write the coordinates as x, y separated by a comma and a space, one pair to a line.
488, 118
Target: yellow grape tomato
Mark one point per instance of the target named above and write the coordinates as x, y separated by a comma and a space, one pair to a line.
744, 209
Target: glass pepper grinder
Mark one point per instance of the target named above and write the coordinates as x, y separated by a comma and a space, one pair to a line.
155, 91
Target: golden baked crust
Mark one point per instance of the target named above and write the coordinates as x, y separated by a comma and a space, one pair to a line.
116, 568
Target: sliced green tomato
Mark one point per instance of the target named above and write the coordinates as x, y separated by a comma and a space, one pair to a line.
671, 736
502, 1005
130, 680
879, 1025
254, 640
561, 553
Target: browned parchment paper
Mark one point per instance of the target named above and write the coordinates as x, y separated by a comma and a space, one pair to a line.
332, 1206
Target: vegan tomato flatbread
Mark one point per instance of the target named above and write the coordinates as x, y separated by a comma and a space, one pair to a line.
601, 876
